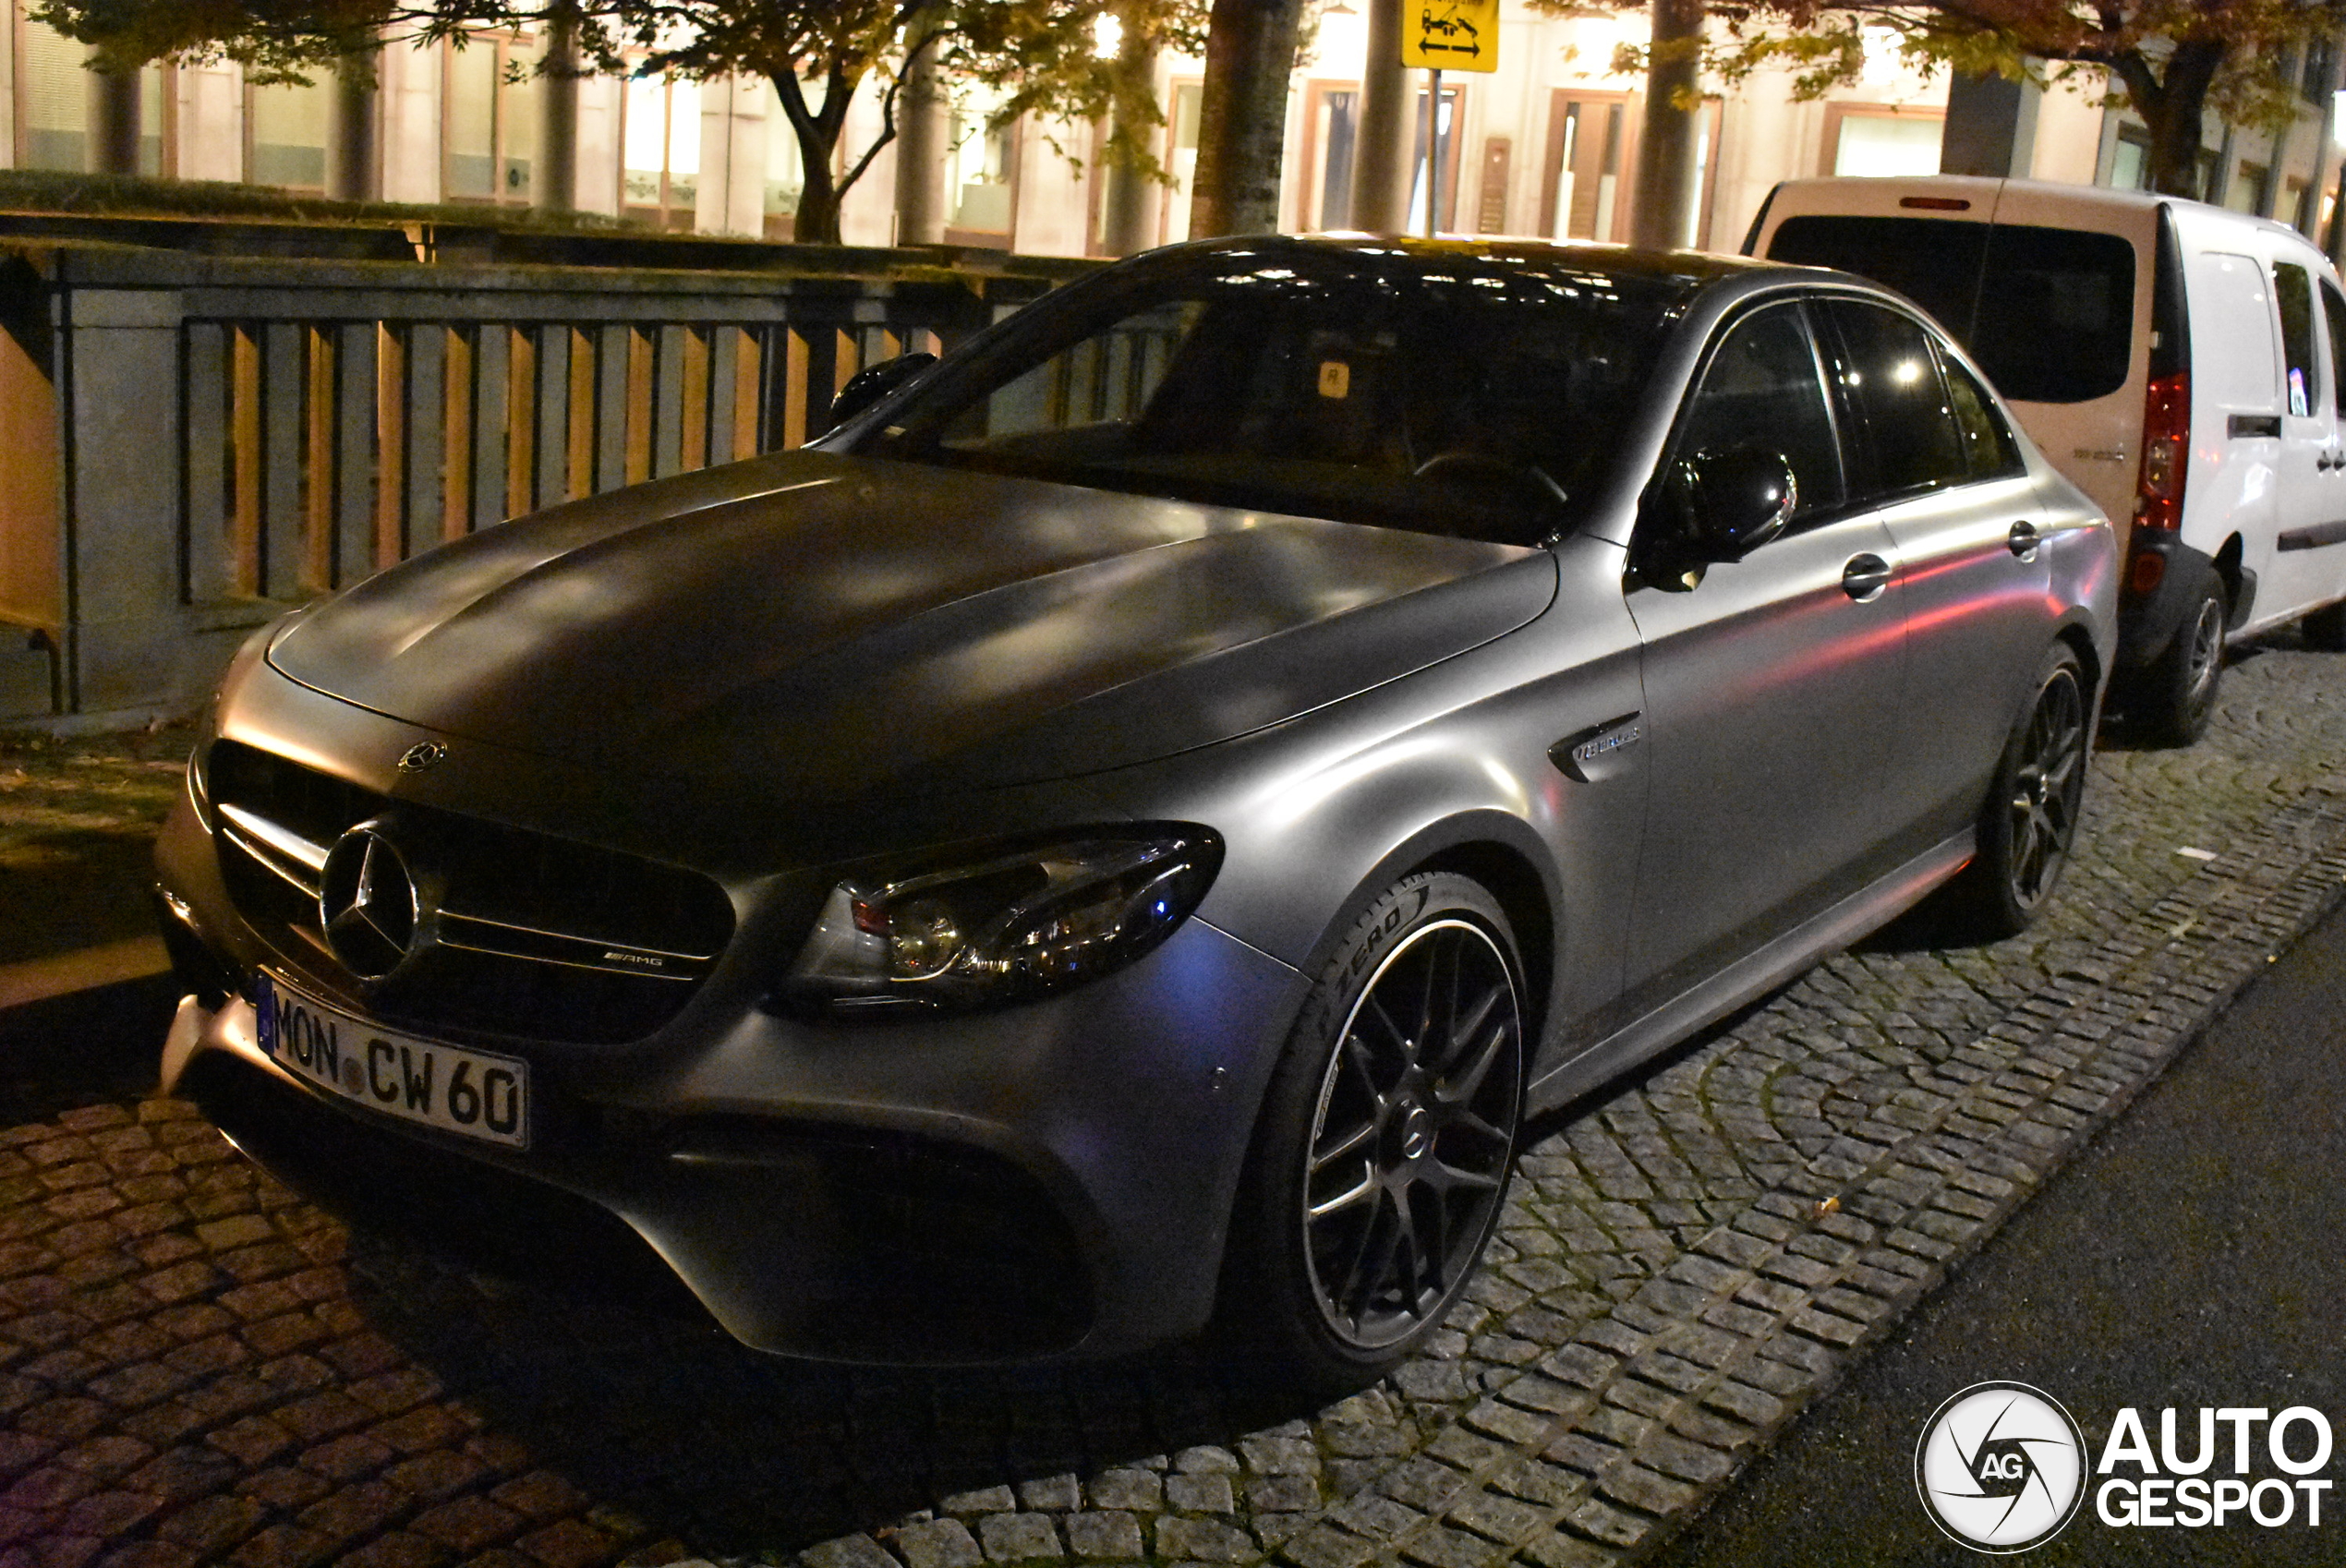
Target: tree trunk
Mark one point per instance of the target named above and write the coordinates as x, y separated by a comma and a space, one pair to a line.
1663, 215
1249, 55
1380, 148
554, 187
921, 201
2172, 105
819, 129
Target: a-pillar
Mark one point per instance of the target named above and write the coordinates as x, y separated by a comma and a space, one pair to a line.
1991, 126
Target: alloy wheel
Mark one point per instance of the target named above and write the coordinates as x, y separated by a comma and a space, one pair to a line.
1412, 1134
2048, 786
2204, 660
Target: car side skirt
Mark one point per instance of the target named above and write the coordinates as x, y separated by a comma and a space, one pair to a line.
1830, 929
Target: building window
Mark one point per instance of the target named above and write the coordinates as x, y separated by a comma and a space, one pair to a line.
1445, 145
2130, 160
1585, 193
1331, 123
980, 176
659, 176
2320, 70
489, 118
52, 100
285, 131
1878, 140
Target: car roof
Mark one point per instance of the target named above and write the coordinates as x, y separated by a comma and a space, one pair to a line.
1691, 269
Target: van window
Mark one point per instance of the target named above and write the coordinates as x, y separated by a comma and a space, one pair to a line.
2235, 363
2048, 312
2334, 313
1891, 378
2294, 292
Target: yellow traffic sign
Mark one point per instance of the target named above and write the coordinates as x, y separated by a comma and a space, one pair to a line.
1451, 35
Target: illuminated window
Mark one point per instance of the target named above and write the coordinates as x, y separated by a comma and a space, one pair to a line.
659, 138
1880, 143
490, 109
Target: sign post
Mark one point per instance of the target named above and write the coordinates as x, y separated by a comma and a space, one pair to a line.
1453, 35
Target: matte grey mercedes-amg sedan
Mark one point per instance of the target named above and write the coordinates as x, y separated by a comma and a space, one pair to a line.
1119, 835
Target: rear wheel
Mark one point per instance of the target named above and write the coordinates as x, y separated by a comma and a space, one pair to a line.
1385, 1140
2175, 698
2326, 628
2030, 817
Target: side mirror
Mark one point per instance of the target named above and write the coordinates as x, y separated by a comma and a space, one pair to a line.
1723, 504
874, 382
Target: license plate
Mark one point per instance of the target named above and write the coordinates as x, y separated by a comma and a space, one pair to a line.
471, 1093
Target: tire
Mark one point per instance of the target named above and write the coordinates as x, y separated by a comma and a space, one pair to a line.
1380, 1158
2173, 699
2029, 820
2326, 628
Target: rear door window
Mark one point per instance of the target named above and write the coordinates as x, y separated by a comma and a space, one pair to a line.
1889, 377
2294, 292
2049, 313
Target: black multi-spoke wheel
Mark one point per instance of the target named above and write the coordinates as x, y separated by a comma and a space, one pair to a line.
2048, 786
1387, 1137
2030, 817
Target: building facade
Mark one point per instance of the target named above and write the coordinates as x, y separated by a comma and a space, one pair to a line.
1546, 145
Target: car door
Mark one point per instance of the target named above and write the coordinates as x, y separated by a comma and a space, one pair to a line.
2312, 498
1771, 683
1934, 457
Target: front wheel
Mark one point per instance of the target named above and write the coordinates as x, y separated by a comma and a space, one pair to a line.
2030, 817
1386, 1140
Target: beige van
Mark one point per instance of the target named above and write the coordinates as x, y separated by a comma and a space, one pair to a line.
2184, 364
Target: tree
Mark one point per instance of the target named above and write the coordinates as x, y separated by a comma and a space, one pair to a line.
2172, 60
1249, 55
1042, 55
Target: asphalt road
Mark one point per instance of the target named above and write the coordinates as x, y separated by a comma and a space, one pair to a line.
2194, 1255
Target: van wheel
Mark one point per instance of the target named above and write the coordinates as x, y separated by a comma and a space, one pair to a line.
2030, 817
1386, 1142
2326, 628
2173, 699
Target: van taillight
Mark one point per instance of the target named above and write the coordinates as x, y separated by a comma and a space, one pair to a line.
2166, 453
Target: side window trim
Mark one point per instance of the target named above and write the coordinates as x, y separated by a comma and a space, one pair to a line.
2333, 317
1804, 307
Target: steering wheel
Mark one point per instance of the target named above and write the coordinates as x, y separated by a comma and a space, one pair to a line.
1497, 473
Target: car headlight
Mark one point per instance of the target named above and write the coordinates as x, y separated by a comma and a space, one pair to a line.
1010, 928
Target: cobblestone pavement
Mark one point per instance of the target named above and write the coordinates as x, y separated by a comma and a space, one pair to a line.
199, 1368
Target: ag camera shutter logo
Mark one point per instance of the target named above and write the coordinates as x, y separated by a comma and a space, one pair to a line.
2001, 1468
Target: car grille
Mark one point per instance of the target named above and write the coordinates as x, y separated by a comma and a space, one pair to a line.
533, 937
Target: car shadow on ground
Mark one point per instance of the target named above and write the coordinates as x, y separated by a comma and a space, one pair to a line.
665, 1419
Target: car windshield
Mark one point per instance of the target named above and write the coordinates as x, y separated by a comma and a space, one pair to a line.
1475, 395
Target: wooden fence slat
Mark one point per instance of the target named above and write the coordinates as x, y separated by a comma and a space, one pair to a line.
391, 445
522, 446
724, 368
748, 380
578, 445
244, 434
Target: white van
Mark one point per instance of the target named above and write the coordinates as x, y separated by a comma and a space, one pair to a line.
2182, 365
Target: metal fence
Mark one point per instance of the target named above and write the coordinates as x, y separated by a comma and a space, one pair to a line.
232, 436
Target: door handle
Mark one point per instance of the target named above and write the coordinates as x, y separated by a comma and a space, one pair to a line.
2021, 540
1864, 578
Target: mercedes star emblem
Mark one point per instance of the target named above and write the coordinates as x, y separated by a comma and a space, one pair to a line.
366, 902
422, 755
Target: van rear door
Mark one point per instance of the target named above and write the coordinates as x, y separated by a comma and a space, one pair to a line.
2064, 331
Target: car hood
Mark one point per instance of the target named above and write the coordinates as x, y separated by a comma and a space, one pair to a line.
814, 626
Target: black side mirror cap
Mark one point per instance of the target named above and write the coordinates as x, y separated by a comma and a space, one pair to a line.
1730, 501
874, 382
